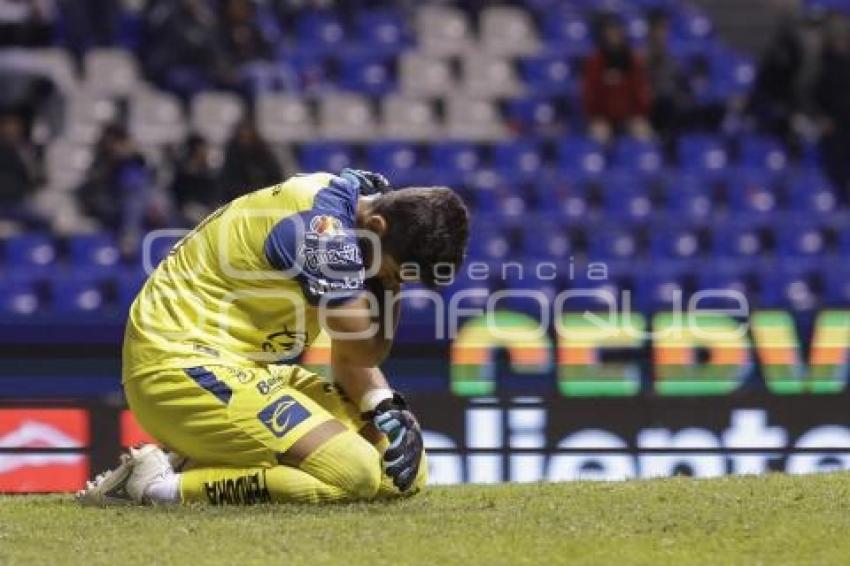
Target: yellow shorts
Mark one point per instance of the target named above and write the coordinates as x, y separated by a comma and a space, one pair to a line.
226, 415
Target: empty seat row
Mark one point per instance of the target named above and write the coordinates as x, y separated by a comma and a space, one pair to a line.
673, 239
649, 286
526, 157
652, 285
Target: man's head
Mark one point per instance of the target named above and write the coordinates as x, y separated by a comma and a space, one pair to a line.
424, 226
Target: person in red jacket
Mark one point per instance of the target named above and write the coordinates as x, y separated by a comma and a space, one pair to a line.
615, 87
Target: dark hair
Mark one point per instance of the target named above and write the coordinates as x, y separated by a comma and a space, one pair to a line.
426, 226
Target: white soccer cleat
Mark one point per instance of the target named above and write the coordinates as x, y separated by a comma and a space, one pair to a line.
126, 484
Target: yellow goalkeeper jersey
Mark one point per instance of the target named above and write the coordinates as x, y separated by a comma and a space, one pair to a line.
243, 286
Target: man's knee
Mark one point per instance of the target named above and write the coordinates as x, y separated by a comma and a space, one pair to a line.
348, 462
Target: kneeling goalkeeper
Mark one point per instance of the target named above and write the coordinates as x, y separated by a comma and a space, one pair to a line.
208, 336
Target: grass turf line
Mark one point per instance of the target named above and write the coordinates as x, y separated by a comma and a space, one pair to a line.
774, 519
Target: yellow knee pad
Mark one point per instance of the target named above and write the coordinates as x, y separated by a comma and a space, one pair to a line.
348, 462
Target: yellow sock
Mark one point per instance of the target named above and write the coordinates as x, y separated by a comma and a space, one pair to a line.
246, 486
344, 468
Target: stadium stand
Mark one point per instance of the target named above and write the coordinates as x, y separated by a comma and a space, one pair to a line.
486, 99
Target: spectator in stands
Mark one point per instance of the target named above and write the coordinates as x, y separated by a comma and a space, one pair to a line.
783, 94
666, 77
183, 46
119, 191
249, 163
832, 95
615, 85
26, 23
243, 39
18, 172
89, 23
195, 187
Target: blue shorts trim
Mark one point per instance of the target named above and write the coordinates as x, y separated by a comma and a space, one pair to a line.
207, 379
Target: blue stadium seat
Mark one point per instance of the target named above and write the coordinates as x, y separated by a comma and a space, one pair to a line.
612, 242
527, 293
702, 152
763, 153
801, 239
567, 32
489, 244
383, 31
722, 285
689, 196
675, 240
638, 155
752, 192
547, 240
532, 113
18, 297
517, 160
366, 73
128, 283
842, 228
732, 74
637, 27
738, 238
419, 303
77, 293
319, 32
659, 288
836, 285
788, 284
691, 23
548, 74
567, 199
811, 191
94, 251
591, 294
582, 156
310, 69
324, 156
392, 158
500, 200
626, 198
454, 161
32, 251
475, 287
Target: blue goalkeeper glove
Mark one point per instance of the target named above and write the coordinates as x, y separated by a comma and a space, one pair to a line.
404, 454
370, 183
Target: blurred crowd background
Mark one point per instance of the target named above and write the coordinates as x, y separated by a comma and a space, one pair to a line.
629, 131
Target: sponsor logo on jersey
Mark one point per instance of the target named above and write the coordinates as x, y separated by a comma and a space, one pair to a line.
271, 385
321, 286
325, 225
283, 415
318, 254
287, 342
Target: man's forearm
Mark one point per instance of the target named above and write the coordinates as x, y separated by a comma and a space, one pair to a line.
365, 386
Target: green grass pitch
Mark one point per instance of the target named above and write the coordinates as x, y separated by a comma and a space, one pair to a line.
774, 519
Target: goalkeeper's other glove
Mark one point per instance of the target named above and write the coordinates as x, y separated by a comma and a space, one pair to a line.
404, 454
370, 183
